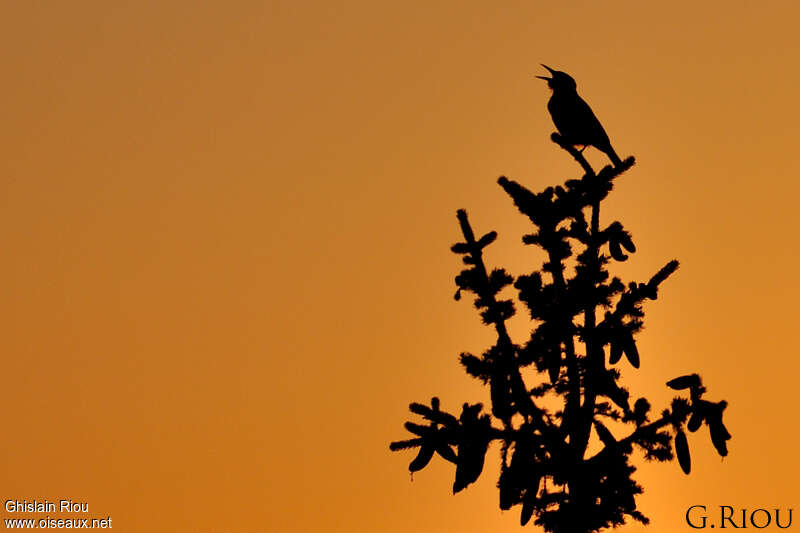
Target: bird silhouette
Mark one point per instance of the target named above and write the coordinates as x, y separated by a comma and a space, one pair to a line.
573, 117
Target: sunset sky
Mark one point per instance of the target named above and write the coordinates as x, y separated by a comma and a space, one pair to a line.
227, 225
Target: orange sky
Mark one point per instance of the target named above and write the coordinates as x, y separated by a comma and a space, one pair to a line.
227, 226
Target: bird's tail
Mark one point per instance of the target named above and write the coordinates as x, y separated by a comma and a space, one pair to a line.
612, 155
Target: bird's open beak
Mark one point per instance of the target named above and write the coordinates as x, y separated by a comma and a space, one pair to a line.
545, 77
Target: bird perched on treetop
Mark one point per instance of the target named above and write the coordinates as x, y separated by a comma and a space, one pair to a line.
573, 117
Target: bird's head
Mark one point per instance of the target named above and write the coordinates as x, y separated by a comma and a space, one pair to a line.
559, 80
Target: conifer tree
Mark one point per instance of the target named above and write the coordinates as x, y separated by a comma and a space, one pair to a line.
584, 327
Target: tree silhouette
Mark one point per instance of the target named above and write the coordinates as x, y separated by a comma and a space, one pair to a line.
585, 321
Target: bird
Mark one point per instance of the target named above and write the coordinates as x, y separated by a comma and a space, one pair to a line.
572, 116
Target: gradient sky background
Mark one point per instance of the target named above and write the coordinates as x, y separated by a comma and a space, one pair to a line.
227, 227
